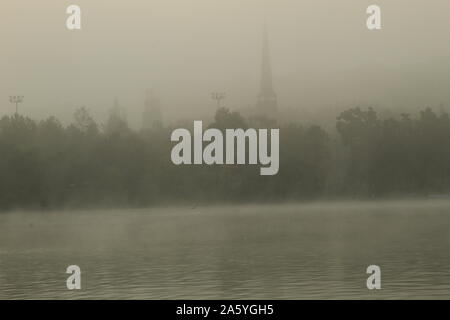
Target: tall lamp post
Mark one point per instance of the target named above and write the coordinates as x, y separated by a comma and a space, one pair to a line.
218, 96
16, 100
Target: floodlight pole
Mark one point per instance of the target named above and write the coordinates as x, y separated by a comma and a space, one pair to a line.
16, 100
218, 96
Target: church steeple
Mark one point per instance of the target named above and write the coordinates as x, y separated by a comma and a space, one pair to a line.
267, 99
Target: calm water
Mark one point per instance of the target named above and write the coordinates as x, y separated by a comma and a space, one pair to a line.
240, 252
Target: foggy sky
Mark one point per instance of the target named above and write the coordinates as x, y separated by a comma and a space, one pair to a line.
322, 54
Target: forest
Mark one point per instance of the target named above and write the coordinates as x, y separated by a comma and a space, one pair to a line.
47, 165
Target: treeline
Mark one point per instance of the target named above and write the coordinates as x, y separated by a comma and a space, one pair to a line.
47, 165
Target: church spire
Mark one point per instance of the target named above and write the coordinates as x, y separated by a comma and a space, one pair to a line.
267, 99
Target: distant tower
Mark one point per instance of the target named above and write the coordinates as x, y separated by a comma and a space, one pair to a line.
152, 116
267, 99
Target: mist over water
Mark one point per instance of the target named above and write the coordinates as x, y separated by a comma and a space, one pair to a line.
230, 252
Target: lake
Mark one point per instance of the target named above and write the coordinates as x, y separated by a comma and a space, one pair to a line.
295, 251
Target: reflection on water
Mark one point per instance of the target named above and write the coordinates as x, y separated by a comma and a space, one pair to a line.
247, 252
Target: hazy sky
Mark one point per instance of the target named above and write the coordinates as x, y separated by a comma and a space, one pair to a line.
322, 54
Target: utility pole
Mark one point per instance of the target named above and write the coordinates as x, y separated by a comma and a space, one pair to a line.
218, 96
16, 100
